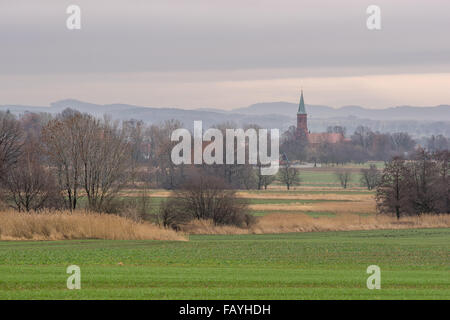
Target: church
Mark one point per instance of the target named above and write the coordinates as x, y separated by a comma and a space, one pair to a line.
303, 132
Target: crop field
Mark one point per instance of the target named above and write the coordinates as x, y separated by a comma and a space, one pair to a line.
305, 200
319, 193
415, 264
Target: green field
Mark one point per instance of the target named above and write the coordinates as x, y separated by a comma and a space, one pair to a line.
415, 264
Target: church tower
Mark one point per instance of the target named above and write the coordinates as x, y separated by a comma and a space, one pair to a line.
302, 121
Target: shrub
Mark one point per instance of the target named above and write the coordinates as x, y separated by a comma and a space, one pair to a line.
205, 198
130, 208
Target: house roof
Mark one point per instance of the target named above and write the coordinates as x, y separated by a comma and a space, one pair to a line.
316, 138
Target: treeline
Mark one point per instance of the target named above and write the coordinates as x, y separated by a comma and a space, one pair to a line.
417, 186
417, 128
74, 160
50, 162
361, 146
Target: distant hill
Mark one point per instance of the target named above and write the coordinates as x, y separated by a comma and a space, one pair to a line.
437, 113
418, 121
156, 115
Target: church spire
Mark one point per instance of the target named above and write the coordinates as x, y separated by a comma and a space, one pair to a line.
301, 105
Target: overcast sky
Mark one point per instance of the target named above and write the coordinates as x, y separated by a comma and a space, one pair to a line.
225, 54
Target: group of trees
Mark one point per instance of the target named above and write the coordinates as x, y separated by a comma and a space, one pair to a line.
54, 162
28, 186
417, 186
437, 143
363, 145
74, 160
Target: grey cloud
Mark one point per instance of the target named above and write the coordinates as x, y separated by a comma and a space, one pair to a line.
129, 36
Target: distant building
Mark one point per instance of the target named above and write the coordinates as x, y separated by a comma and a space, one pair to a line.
303, 132
302, 119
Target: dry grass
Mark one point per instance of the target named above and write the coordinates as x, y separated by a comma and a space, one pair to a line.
336, 207
208, 227
285, 223
282, 194
151, 193
305, 196
82, 225
78, 225
279, 223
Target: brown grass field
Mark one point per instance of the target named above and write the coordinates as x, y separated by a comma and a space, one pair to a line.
83, 225
315, 205
78, 225
287, 223
334, 207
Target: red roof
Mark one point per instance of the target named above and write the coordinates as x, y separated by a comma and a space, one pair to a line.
316, 138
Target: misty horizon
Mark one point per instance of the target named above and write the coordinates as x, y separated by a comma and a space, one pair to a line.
76, 100
225, 55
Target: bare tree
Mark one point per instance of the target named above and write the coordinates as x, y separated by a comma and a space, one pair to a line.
245, 177
293, 145
263, 180
62, 137
419, 186
437, 143
135, 136
370, 177
88, 154
363, 137
395, 188
29, 186
337, 129
167, 174
402, 142
443, 181
344, 176
289, 175
424, 175
105, 157
10, 142
238, 176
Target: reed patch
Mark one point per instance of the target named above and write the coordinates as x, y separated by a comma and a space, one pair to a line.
78, 225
